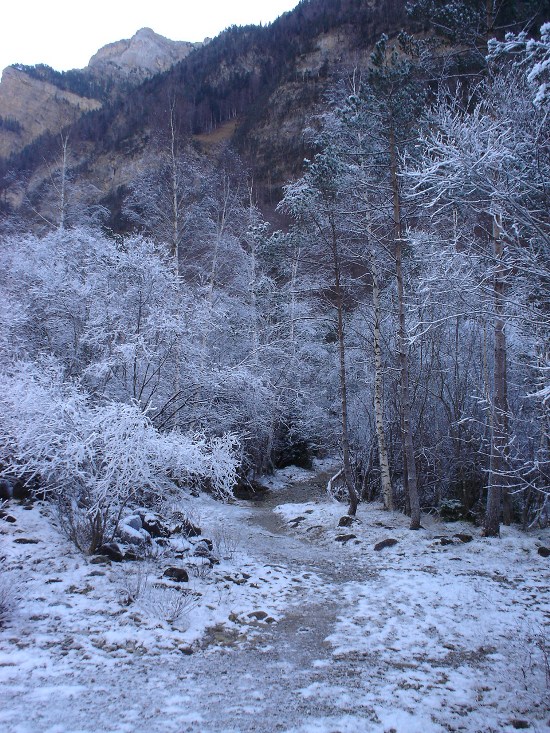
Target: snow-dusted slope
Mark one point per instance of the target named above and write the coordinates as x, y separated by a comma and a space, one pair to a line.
293, 631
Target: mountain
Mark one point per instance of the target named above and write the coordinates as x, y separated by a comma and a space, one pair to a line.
35, 100
145, 54
255, 87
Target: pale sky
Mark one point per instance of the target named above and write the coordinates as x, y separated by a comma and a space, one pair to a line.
65, 34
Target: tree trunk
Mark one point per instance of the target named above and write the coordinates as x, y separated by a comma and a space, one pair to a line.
63, 182
407, 438
175, 251
348, 473
499, 438
385, 479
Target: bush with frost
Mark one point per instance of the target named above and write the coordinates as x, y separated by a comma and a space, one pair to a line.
95, 458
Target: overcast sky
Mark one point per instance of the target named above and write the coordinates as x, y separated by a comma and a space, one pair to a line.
65, 34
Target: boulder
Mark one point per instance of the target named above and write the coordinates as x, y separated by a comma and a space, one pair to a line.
132, 536
258, 615
544, 551
113, 551
446, 541
203, 543
345, 521
100, 560
178, 575
390, 542
133, 521
182, 525
189, 529
154, 525
6, 489
343, 538
463, 537
204, 549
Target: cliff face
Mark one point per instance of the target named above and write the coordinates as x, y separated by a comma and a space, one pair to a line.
143, 55
35, 105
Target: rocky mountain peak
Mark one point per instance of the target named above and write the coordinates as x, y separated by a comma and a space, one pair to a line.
145, 54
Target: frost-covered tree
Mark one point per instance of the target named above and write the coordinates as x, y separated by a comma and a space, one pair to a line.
486, 163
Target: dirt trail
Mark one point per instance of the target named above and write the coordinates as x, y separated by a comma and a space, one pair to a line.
249, 685
291, 655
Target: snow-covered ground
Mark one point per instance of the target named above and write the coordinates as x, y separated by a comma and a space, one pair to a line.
296, 630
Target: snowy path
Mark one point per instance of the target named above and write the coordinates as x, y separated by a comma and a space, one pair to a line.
418, 637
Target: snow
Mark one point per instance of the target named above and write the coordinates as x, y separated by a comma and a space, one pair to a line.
292, 631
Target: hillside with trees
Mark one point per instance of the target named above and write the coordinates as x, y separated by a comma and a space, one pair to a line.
311, 429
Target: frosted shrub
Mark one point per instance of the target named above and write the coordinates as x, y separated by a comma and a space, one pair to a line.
95, 459
167, 604
225, 542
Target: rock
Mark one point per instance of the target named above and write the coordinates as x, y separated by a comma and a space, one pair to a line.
155, 526
38, 106
187, 650
100, 560
26, 541
463, 537
204, 549
446, 541
6, 489
203, 542
131, 554
7, 517
544, 551
258, 615
520, 724
345, 521
189, 529
132, 536
390, 542
162, 542
179, 575
182, 525
134, 521
343, 538
249, 490
113, 551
